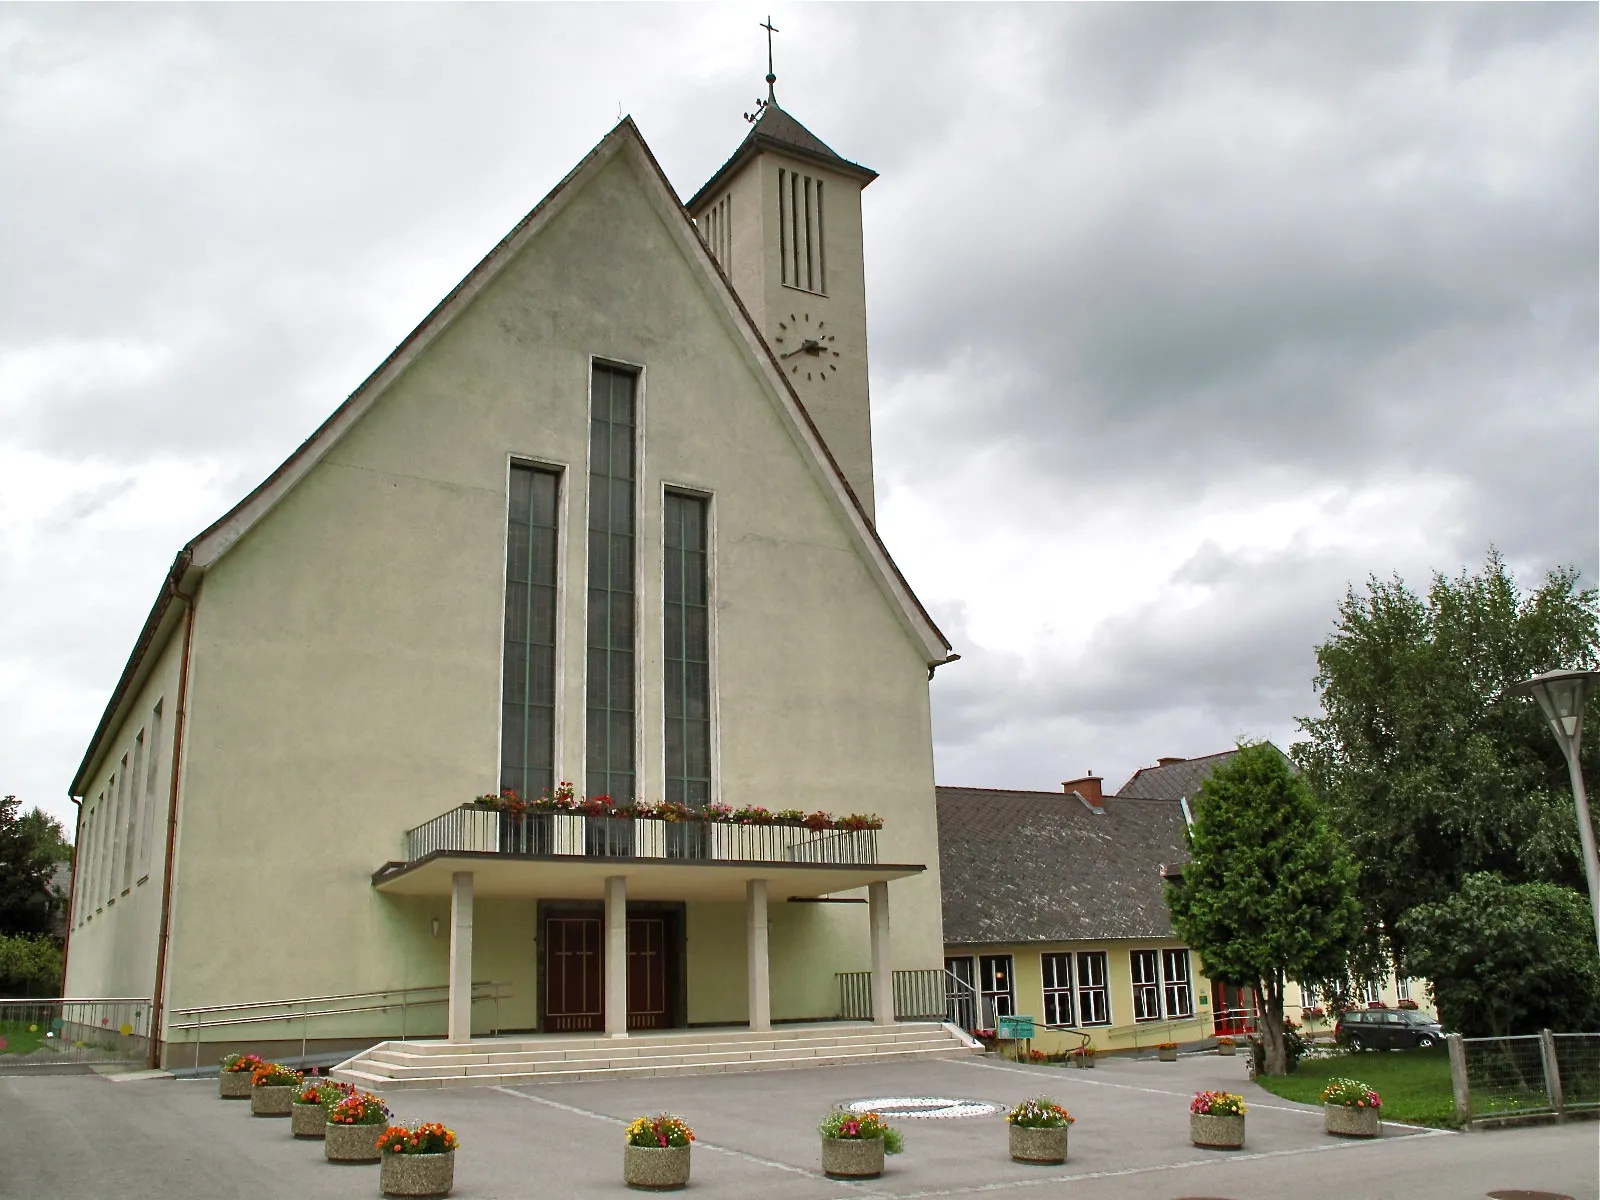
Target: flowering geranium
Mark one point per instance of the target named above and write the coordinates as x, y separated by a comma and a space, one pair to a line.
818, 820
659, 1131
1350, 1093
429, 1138
1040, 1113
859, 821
789, 814
326, 1092
275, 1075
1218, 1104
360, 1108
243, 1062
750, 814
841, 1123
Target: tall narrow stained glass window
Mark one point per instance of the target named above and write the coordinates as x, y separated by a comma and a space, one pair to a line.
687, 652
528, 690
610, 741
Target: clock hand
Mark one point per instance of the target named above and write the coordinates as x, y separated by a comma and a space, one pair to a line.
806, 347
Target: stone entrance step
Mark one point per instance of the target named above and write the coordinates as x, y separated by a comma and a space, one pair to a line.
490, 1061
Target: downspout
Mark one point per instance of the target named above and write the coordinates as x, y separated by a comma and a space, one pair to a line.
72, 897
158, 995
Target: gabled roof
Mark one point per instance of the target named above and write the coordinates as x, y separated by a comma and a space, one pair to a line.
776, 130
199, 554
1173, 780
1045, 867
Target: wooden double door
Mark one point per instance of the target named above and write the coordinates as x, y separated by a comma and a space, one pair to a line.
572, 968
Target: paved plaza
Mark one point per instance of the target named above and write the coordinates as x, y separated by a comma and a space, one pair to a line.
65, 1137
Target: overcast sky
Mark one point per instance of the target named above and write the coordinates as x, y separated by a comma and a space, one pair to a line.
1182, 318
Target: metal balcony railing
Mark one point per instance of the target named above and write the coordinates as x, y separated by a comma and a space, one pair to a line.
918, 995
486, 831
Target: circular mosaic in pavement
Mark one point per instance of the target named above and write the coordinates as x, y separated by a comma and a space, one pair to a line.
922, 1107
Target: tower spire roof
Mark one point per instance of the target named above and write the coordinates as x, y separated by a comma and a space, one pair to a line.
775, 129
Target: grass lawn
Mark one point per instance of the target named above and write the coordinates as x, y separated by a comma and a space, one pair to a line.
1414, 1084
18, 1039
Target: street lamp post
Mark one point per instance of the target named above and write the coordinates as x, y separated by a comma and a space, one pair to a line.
1562, 695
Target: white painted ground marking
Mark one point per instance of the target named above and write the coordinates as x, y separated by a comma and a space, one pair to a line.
1131, 1087
924, 1107
594, 1116
1212, 1160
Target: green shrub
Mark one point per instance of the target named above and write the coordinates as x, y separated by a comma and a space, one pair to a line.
29, 966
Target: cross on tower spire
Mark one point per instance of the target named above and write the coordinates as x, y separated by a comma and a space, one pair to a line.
772, 78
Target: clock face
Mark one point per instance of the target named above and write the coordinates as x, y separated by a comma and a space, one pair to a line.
807, 349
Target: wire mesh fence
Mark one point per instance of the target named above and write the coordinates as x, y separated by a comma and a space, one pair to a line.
1505, 1077
1538, 1075
1577, 1058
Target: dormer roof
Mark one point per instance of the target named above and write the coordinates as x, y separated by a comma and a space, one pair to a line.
776, 130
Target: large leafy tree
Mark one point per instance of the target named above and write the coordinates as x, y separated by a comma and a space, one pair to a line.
30, 848
1507, 958
1268, 893
1431, 769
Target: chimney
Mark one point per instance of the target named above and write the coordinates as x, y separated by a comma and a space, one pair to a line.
1167, 762
1088, 787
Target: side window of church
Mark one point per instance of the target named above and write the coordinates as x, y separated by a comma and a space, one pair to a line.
528, 688
1094, 996
609, 756
802, 261
687, 650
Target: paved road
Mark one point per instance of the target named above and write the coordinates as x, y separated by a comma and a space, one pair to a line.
62, 1138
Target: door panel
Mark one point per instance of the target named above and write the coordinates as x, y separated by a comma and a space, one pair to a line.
649, 1005
573, 974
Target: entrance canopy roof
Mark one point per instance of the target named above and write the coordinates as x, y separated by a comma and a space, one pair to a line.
573, 877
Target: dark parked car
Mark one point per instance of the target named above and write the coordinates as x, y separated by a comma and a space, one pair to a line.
1387, 1029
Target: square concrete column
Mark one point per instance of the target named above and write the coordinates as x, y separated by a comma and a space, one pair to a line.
882, 961
616, 965
460, 1022
759, 976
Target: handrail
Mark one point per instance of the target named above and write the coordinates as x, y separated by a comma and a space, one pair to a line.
404, 1001
74, 999
420, 987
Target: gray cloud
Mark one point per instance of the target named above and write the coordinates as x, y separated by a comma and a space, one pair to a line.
1128, 266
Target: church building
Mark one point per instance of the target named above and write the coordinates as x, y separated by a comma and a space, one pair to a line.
605, 516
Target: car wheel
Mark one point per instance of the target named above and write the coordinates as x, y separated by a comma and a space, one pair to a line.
1355, 1044
1424, 1041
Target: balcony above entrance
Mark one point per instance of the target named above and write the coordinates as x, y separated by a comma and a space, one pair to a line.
572, 854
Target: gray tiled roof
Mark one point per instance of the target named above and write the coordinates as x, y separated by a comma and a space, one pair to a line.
1177, 780
1044, 867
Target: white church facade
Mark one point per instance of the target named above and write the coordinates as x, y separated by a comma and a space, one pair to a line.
605, 516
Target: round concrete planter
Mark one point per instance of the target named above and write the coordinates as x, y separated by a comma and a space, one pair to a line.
852, 1158
417, 1174
1038, 1145
656, 1168
308, 1120
1351, 1122
1167, 1055
1083, 1061
234, 1085
1216, 1132
272, 1101
1225, 1049
353, 1143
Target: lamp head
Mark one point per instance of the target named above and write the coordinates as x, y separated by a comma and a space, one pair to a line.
1562, 695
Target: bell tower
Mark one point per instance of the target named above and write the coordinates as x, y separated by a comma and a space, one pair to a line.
782, 217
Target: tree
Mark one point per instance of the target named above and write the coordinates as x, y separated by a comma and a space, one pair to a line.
1431, 770
1508, 958
28, 857
1269, 890
29, 966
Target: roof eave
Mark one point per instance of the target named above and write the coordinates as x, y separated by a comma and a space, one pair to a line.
758, 143
152, 638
